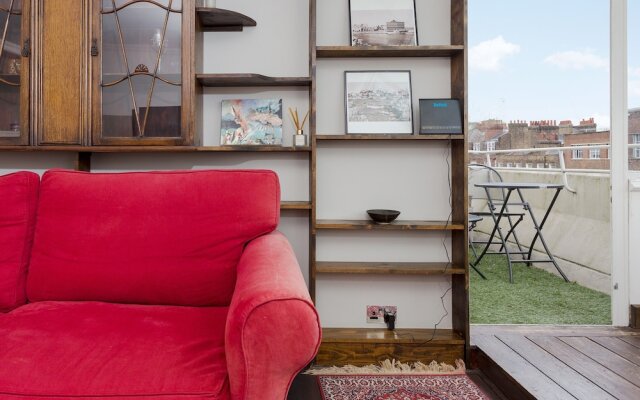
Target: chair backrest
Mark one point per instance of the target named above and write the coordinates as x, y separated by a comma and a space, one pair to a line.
479, 173
172, 238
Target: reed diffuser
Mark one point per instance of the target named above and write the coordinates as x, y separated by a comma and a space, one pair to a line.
299, 139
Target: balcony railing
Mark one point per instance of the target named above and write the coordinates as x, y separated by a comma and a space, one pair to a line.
561, 157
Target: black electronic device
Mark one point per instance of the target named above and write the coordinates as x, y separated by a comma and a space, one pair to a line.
440, 117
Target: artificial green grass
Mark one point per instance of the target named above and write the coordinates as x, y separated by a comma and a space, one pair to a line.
535, 297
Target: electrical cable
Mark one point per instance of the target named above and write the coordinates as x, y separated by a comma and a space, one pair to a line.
446, 249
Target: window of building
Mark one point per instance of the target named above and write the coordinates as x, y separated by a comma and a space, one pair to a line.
540, 165
636, 140
528, 165
576, 154
509, 165
594, 153
551, 165
476, 147
491, 146
518, 165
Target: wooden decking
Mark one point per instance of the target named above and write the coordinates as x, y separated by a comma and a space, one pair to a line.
559, 362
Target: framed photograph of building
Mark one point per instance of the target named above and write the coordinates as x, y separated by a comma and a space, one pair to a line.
378, 102
383, 23
251, 122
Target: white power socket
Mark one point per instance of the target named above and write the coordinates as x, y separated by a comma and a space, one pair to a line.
375, 314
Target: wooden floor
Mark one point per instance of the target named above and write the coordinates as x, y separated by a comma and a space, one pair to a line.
551, 362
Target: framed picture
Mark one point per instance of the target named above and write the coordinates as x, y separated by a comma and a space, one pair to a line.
378, 102
251, 122
383, 23
440, 116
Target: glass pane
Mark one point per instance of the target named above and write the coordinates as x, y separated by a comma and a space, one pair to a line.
164, 118
9, 110
154, 109
17, 6
141, 25
117, 116
113, 65
107, 5
170, 62
3, 21
10, 67
164, 3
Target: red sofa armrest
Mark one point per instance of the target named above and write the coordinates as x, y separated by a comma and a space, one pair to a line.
273, 330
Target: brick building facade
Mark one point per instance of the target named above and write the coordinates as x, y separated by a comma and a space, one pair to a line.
495, 135
587, 158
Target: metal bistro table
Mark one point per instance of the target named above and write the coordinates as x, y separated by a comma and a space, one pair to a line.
510, 187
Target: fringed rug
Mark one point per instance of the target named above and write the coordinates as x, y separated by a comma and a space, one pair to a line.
396, 381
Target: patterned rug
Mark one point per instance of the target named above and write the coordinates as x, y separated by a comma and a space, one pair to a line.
456, 386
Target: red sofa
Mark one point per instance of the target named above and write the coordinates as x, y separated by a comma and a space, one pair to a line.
161, 285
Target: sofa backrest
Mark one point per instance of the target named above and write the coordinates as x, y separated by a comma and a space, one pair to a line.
18, 201
170, 238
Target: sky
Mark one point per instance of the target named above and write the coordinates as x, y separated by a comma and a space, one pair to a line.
545, 60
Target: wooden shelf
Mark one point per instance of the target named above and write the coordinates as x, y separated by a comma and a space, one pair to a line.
221, 20
390, 137
156, 149
387, 51
388, 268
295, 205
394, 226
370, 346
249, 80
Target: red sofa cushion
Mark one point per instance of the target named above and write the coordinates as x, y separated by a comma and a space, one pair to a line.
74, 349
18, 201
170, 238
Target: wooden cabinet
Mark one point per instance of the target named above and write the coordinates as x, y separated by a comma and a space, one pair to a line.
109, 73
142, 80
14, 72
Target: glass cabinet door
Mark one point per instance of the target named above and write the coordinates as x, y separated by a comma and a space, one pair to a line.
141, 72
14, 71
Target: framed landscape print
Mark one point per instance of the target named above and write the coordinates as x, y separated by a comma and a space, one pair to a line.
383, 23
251, 122
378, 102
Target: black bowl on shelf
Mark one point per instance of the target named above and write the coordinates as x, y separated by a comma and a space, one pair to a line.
383, 216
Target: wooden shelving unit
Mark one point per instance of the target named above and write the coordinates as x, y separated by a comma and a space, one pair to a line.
387, 268
393, 226
388, 51
221, 20
249, 80
390, 137
365, 346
